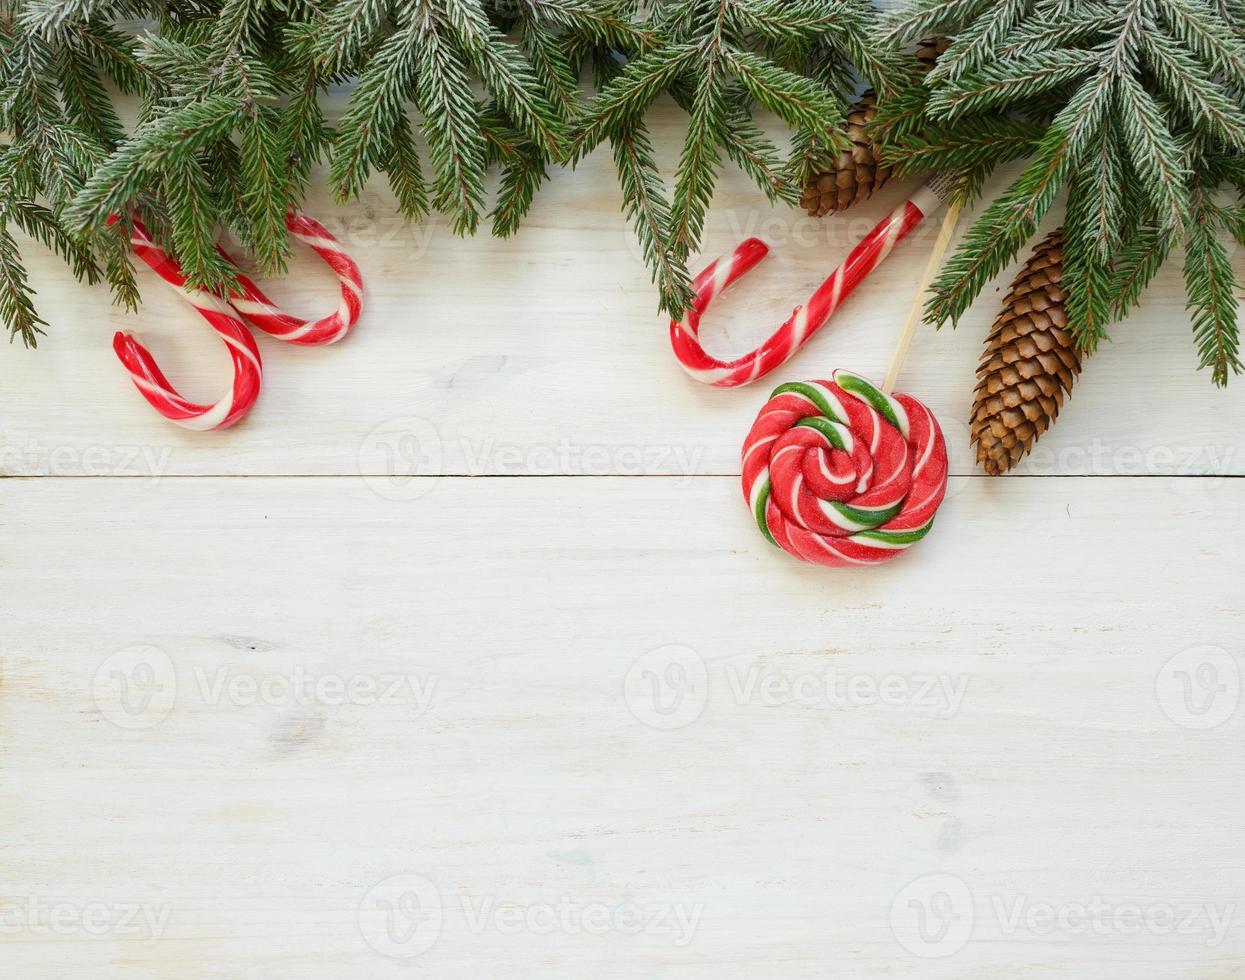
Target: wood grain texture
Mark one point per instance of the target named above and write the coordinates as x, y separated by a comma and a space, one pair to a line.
354, 717
509, 349
622, 700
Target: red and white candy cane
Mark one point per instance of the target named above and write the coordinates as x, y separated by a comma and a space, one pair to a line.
263, 313
150, 380
805, 320
842, 473
258, 309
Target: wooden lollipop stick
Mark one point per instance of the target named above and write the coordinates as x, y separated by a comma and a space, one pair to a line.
918, 301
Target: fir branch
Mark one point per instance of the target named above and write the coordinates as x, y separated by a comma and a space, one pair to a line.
1154, 152
1189, 86
781, 21
1210, 284
193, 219
42, 224
1086, 270
985, 141
1041, 34
1097, 202
47, 18
347, 29
646, 206
926, 17
406, 178
164, 143
1137, 263
115, 54
85, 100
506, 75
17, 307
621, 104
451, 126
994, 238
1199, 28
798, 101
521, 177
1006, 82
551, 63
265, 187
303, 134
114, 244
373, 112
973, 46
753, 152
237, 27
698, 164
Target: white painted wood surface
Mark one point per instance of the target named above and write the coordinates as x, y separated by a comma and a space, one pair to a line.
591, 725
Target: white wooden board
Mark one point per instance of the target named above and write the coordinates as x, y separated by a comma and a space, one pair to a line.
304, 699
619, 707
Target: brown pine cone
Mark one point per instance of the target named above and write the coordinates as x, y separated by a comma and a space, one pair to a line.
1029, 363
929, 49
856, 173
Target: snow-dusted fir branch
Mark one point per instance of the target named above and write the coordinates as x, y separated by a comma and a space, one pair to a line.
1139, 103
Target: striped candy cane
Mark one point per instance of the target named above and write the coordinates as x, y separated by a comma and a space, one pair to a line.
150, 380
263, 313
805, 320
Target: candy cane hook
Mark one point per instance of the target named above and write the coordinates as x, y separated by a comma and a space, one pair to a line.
805, 320
263, 313
150, 380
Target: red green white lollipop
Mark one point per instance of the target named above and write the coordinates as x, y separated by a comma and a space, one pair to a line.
843, 472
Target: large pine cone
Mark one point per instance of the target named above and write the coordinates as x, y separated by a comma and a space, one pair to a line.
1029, 363
856, 172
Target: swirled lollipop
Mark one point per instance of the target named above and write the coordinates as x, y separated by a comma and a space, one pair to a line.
841, 473
844, 472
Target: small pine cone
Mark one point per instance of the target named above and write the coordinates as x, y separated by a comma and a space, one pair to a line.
1029, 363
929, 49
856, 173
